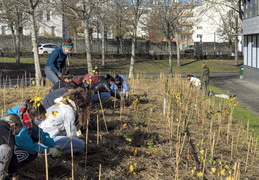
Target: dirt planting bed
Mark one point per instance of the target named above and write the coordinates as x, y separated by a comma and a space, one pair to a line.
168, 131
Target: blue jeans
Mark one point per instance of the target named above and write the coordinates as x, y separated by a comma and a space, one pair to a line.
51, 75
5, 158
64, 143
103, 95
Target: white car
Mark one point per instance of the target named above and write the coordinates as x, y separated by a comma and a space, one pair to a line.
1, 52
46, 48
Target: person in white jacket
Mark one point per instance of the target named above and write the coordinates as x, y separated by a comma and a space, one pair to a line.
193, 81
61, 122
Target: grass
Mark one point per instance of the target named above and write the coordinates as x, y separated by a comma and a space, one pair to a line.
241, 114
141, 66
156, 67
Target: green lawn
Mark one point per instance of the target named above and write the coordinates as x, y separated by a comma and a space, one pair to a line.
141, 65
241, 114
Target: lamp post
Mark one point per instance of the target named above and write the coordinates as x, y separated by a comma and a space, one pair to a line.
201, 48
214, 44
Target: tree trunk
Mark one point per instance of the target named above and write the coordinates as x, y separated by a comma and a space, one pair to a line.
87, 47
103, 44
17, 36
75, 41
178, 49
133, 53
121, 51
170, 70
38, 75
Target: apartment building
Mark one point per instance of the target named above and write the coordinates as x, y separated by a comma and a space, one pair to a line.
49, 23
251, 41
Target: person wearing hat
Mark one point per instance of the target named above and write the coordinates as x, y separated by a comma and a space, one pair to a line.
31, 139
56, 63
10, 125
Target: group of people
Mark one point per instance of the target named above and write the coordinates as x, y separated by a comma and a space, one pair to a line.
204, 82
51, 126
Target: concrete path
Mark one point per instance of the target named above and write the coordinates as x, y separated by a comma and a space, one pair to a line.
246, 92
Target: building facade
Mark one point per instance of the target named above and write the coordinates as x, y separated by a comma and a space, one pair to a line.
251, 41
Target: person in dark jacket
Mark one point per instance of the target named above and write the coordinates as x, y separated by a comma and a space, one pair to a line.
105, 92
49, 98
56, 63
10, 125
205, 78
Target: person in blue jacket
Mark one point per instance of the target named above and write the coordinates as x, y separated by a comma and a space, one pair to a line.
31, 140
56, 63
121, 85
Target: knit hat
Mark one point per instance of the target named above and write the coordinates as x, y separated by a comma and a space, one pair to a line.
12, 118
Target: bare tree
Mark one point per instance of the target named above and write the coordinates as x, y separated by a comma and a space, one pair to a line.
231, 16
30, 7
168, 17
81, 10
103, 12
134, 10
11, 14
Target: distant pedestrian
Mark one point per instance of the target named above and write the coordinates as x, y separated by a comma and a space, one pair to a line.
56, 63
205, 78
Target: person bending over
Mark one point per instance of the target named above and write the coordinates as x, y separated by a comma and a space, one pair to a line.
10, 125
31, 140
56, 63
61, 121
103, 88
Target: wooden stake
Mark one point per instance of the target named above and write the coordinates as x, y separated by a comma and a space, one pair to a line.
46, 164
102, 111
100, 171
247, 154
98, 133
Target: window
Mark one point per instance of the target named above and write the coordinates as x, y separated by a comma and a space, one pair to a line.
251, 8
48, 15
41, 15
199, 19
199, 35
20, 30
53, 28
3, 29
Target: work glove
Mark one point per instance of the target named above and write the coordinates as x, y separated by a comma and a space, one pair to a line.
54, 152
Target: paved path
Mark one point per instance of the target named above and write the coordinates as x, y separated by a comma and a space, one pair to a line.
246, 92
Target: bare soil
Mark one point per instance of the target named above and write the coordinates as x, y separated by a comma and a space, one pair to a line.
168, 131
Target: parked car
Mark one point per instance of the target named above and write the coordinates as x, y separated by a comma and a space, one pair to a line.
189, 49
46, 48
1, 52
